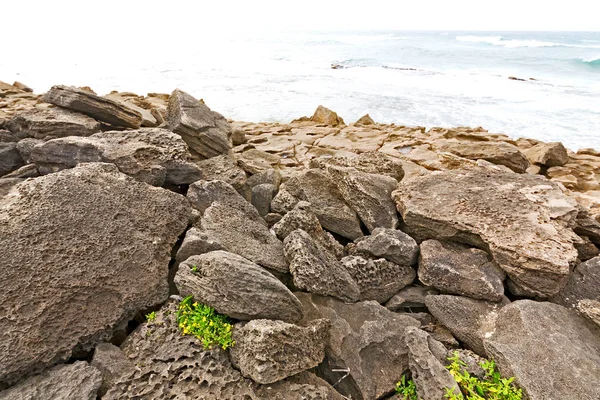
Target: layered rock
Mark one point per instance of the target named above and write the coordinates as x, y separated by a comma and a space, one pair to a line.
500, 153
83, 251
548, 154
50, 123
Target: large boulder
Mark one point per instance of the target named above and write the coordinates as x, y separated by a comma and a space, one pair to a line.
99, 108
207, 133
10, 158
152, 155
50, 123
77, 381
82, 251
366, 354
524, 220
224, 168
236, 287
552, 154
268, 351
552, 352
391, 244
584, 283
170, 365
456, 269
500, 153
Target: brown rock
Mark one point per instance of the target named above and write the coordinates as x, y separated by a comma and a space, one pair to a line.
548, 154
325, 116
500, 153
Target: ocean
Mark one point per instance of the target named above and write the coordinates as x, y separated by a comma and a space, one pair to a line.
409, 78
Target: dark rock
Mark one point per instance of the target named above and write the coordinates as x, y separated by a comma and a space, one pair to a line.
112, 363
224, 168
76, 381
587, 225
50, 123
236, 287
302, 386
552, 352
316, 270
522, 219
391, 244
7, 137
238, 137
97, 107
83, 251
584, 283
10, 158
270, 176
378, 279
261, 197
410, 297
25, 147
207, 133
586, 250
268, 351
457, 269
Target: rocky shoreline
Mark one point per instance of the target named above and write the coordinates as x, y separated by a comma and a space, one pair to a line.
346, 256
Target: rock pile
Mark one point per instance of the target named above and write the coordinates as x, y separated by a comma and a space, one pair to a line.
346, 256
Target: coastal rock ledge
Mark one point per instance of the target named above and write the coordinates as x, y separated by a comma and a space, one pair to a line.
153, 249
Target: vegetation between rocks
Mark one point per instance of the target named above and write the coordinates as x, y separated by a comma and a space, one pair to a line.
202, 321
491, 387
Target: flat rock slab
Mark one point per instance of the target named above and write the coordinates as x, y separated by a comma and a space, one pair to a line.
524, 220
82, 251
552, 352
99, 108
51, 123
500, 153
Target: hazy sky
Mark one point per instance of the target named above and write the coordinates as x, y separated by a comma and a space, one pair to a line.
150, 18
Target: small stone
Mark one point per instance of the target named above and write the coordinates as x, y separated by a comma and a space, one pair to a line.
325, 116
391, 244
552, 154
410, 297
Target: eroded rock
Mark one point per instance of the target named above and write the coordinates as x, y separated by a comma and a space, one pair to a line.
50, 123
391, 244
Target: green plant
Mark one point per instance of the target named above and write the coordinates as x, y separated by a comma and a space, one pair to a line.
194, 268
205, 323
151, 317
407, 389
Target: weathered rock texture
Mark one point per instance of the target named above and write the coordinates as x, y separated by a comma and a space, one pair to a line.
82, 251
391, 244
112, 363
303, 386
500, 153
52, 123
584, 283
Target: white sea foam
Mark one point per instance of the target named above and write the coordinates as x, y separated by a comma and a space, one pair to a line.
515, 43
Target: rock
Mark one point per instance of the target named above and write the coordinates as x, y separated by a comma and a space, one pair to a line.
587, 225
325, 116
97, 107
112, 363
471, 321
50, 123
83, 251
27, 171
76, 381
302, 386
316, 270
364, 337
457, 269
500, 153
10, 158
552, 154
272, 218
369, 195
523, 220
261, 198
365, 120
22, 87
471, 360
268, 351
207, 133
224, 168
7, 137
391, 244
255, 161
590, 309
315, 187
586, 250
196, 242
238, 137
236, 287
410, 297
378, 279
301, 217
235, 224
430, 376
552, 352
6, 184
151, 155
25, 147
175, 366
148, 120
584, 283
371, 162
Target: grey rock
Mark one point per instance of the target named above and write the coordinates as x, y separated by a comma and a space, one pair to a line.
236, 287
364, 337
378, 279
370, 195
268, 351
372, 162
430, 376
472, 362
112, 363
584, 283
82, 251
500, 153
552, 352
207, 133
148, 119
76, 381
524, 220
586, 250
26, 171
152, 155
271, 176
196, 242
50, 123
7, 137
236, 225
587, 225
25, 146
302, 386
590, 309
391, 244
471, 321
238, 137
457, 269
6, 184
224, 168
261, 197
552, 154
410, 297
10, 158
97, 107
170, 365
316, 270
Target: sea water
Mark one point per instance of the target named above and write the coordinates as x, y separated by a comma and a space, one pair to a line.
410, 78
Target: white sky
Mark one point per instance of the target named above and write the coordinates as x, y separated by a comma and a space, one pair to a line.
50, 19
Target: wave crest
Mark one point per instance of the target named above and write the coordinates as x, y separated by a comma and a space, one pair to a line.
515, 43
591, 61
